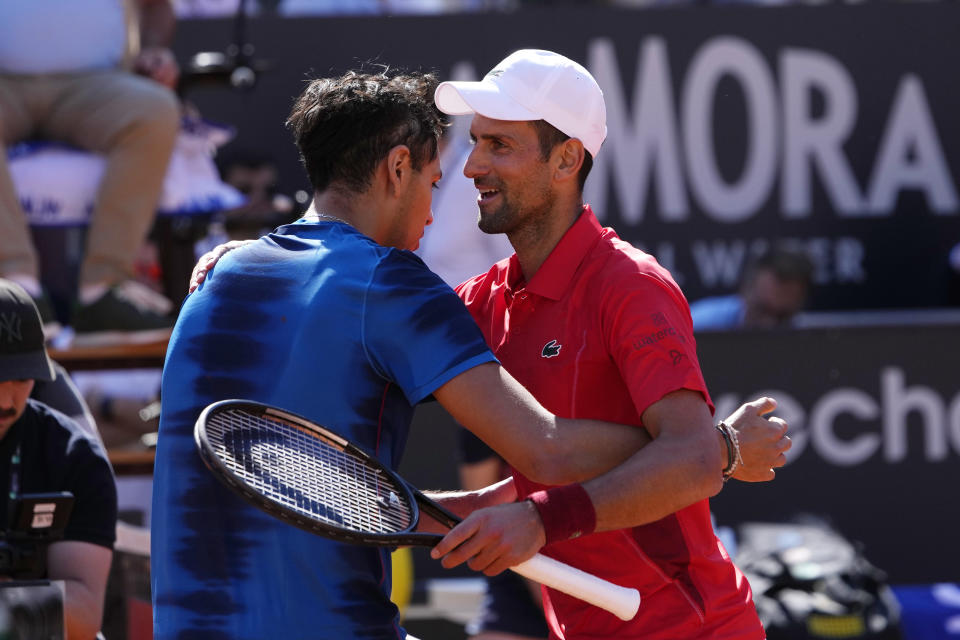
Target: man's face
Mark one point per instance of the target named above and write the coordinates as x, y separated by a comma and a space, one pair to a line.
511, 175
13, 400
772, 302
415, 214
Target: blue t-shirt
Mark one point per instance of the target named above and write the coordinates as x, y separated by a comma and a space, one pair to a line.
61, 36
717, 313
318, 319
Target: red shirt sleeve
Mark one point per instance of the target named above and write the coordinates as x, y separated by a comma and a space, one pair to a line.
650, 337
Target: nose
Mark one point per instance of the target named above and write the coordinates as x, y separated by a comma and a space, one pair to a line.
7, 392
429, 219
474, 166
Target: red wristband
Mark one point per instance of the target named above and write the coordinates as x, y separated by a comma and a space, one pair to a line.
567, 512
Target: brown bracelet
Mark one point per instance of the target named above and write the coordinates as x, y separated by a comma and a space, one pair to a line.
566, 512
731, 460
733, 449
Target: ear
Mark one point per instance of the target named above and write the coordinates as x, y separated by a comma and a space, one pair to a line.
399, 167
568, 156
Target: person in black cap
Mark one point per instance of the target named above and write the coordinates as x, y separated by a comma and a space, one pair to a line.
44, 451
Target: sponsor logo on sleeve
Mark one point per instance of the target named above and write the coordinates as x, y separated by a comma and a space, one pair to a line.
653, 338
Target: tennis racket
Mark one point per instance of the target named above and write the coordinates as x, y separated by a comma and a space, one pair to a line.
304, 474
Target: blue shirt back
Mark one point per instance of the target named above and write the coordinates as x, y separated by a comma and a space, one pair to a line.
318, 319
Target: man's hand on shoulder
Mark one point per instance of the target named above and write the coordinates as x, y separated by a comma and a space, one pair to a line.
210, 258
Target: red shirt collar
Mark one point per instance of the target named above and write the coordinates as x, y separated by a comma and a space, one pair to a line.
556, 272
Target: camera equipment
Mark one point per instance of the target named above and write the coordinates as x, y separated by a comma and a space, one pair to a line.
235, 67
37, 520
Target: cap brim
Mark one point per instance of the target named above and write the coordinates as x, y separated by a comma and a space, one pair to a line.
457, 98
26, 366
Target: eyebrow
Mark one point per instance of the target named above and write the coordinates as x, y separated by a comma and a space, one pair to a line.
492, 136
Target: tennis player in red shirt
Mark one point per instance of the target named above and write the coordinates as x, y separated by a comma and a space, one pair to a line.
596, 328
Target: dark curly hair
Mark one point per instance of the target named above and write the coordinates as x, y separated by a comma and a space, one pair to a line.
345, 126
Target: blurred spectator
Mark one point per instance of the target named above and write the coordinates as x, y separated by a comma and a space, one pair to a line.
773, 290
255, 175
81, 92
44, 451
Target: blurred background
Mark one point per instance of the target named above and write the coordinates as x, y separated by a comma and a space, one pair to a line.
825, 129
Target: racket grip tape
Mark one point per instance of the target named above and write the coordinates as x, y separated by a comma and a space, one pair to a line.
622, 602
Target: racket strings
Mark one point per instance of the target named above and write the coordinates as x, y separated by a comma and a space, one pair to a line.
288, 466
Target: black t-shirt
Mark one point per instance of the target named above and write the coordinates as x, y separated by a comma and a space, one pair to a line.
58, 455
472, 449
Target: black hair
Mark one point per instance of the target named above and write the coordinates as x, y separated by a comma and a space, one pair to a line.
787, 263
345, 126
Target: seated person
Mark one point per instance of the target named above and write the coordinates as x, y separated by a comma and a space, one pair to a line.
42, 451
774, 289
79, 93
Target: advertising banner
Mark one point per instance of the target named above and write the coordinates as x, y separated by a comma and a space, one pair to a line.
832, 128
874, 416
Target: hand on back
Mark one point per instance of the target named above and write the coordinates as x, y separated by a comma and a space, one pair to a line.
207, 261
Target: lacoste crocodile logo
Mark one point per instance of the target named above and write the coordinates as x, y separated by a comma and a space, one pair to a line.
551, 349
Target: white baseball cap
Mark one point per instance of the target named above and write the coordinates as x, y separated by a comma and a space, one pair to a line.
532, 84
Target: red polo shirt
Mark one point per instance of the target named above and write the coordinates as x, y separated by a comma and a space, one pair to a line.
602, 331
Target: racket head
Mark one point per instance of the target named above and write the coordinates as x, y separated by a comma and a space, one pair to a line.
304, 474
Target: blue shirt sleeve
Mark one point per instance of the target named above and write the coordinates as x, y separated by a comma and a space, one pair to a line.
416, 331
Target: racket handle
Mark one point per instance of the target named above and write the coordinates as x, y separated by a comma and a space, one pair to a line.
622, 602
